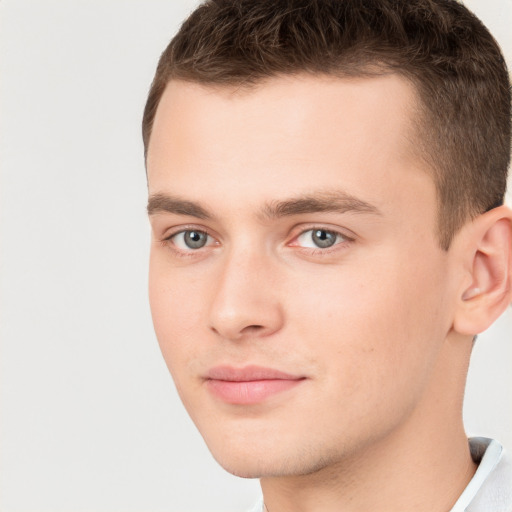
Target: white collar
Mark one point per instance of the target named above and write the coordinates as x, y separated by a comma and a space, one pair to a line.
487, 453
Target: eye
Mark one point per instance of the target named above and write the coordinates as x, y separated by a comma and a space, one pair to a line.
191, 239
319, 238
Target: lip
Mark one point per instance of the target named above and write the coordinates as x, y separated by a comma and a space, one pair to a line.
249, 385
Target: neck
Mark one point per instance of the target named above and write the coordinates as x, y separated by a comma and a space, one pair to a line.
385, 478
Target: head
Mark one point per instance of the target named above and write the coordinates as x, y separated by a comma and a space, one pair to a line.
462, 124
325, 185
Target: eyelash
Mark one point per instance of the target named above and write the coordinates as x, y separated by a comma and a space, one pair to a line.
339, 245
168, 243
341, 241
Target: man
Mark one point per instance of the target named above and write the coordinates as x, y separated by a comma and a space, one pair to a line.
326, 183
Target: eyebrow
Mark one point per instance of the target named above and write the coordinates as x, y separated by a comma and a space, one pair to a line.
331, 201
162, 203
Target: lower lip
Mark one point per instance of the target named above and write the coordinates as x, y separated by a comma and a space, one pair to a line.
249, 392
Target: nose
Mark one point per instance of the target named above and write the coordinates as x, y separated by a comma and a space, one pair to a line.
245, 302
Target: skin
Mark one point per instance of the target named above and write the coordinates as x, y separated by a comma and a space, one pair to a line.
377, 325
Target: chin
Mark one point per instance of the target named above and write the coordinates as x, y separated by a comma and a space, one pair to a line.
244, 470
246, 461
265, 457
252, 467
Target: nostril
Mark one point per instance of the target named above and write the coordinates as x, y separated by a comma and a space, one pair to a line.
252, 328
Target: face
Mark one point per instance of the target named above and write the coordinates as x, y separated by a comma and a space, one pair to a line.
295, 271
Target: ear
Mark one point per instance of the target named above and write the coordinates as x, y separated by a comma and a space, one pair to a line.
487, 287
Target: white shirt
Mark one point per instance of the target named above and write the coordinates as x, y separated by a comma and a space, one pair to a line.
490, 489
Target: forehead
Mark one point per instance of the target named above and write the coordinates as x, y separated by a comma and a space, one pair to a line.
288, 134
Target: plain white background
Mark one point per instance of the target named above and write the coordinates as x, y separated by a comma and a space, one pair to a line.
90, 420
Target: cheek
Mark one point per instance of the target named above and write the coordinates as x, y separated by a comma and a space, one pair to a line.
371, 337
372, 324
177, 302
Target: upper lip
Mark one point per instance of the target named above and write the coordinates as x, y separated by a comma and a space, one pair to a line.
248, 373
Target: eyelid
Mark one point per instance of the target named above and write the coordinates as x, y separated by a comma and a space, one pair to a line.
167, 239
346, 234
169, 233
178, 240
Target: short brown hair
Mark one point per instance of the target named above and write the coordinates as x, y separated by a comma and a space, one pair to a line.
453, 61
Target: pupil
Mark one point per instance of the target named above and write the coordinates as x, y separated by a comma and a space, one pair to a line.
323, 238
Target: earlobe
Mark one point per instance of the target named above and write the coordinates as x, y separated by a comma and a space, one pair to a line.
489, 263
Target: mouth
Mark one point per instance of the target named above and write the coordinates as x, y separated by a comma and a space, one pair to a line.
249, 385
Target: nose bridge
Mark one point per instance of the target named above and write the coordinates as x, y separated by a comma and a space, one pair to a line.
244, 301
